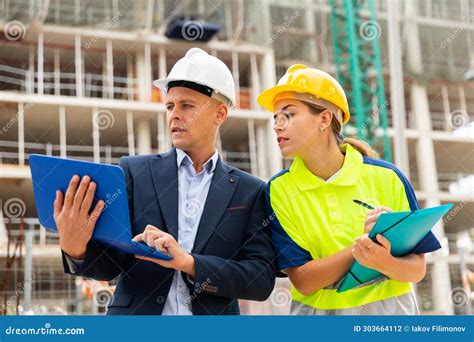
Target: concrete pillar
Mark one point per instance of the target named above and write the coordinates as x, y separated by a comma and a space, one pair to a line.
130, 134
143, 136
413, 48
269, 80
28, 277
147, 72
262, 157
57, 72
164, 139
397, 91
62, 132
236, 75
40, 64
162, 71
310, 26
21, 134
30, 80
78, 66
254, 169
255, 80
427, 171
110, 69
140, 75
428, 178
96, 135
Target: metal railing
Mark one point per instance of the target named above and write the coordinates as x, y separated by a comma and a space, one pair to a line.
41, 236
239, 160
88, 13
108, 154
95, 85
445, 180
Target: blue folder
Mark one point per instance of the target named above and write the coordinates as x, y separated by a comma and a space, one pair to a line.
113, 227
404, 230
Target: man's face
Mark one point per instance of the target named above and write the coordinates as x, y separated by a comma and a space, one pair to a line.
192, 117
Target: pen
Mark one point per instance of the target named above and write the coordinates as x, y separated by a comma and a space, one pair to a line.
368, 206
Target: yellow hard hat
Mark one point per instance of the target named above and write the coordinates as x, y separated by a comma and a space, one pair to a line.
300, 78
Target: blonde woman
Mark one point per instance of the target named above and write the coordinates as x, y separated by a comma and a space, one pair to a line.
318, 230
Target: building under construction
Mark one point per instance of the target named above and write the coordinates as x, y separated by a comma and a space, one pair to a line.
76, 82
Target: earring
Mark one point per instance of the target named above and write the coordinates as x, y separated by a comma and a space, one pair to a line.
321, 129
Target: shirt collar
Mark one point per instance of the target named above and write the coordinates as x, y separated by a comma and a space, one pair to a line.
347, 175
182, 158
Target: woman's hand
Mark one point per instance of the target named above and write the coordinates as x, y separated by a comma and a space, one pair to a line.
373, 216
373, 255
410, 268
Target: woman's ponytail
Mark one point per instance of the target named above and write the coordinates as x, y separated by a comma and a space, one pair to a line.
359, 145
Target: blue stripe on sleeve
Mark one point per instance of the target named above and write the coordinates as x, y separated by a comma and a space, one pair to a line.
429, 243
289, 253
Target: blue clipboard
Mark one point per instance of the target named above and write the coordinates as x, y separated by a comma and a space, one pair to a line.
113, 226
404, 230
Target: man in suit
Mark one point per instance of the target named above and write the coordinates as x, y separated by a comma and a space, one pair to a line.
207, 215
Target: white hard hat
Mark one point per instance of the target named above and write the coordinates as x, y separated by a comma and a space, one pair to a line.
198, 68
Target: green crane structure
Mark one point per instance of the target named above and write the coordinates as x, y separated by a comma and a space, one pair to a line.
355, 40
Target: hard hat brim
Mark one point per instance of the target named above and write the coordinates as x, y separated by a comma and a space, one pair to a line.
267, 97
162, 84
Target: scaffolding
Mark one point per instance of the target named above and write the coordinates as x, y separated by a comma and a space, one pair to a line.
76, 83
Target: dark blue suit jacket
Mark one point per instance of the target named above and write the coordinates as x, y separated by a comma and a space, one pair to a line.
233, 251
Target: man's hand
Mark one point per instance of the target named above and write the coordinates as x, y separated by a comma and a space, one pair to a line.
71, 214
373, 255
372, 217
165, 243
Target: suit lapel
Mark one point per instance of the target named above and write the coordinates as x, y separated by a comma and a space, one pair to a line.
164, 172
221, 190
